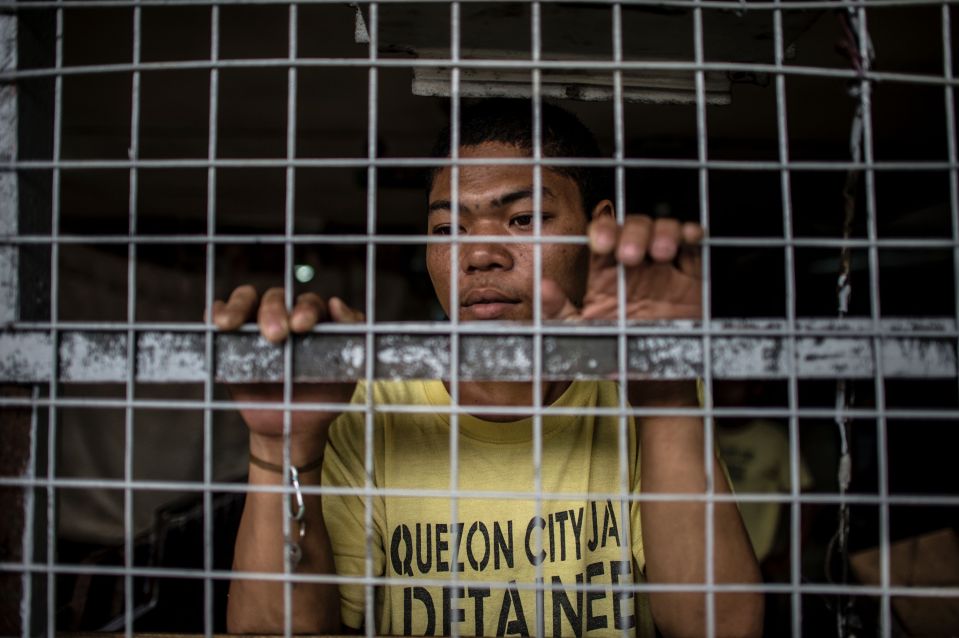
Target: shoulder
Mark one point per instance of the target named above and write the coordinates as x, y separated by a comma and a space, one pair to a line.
590, 392
409, 392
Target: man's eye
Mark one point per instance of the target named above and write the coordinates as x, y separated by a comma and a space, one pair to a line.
446, 229
523, 221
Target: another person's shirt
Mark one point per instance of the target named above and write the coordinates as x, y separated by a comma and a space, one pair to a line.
581, 538
758, 461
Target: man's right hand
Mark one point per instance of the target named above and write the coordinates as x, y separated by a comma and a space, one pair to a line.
276, 322
256, 606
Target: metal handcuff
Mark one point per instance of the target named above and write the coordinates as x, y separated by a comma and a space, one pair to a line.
296, 510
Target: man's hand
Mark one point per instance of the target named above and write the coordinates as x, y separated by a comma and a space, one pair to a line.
276, 323
256, 606
664, 281
663, 271
663, 268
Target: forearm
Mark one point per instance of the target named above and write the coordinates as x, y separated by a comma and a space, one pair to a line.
257, 606
674, 533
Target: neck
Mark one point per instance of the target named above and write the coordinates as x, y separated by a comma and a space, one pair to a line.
507, 393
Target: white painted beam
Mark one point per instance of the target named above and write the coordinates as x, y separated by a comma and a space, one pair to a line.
9, 194
741, 349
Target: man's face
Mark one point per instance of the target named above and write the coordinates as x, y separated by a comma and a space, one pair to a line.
496, 278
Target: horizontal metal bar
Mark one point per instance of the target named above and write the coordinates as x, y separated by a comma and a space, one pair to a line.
242, 487
735, 5
477, 63
400, 581
428, 162
186, 405
307, 239
931, 327
494, 585
823, 349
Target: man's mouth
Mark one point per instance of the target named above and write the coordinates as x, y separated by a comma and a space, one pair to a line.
488, 303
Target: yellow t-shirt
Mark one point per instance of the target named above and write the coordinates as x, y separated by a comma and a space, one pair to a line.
581, 551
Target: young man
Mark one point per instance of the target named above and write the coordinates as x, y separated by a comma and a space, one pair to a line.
493, 544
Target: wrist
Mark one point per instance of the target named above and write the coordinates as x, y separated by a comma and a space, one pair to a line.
304, 450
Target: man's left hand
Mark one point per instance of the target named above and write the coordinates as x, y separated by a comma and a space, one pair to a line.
663, 269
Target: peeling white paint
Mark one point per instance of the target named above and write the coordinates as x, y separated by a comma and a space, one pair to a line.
251, 358
9, 289
170, 357
9, 204
509, 353
829, 358
361, 34
93, 357
9, 194
907, 357
8, 42
25, 357
8, 122
179, 356
666, 357
745, 357
926, 324
506, 358
353, 355
426, 359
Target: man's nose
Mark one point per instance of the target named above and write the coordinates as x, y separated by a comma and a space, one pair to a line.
485, 255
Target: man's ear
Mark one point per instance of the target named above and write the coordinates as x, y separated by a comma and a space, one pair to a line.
603, 209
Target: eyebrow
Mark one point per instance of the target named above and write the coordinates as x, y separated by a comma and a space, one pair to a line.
497, 202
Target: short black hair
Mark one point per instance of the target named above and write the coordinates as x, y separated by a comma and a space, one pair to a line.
510, 121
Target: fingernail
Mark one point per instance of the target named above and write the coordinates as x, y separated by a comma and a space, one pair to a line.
225, 320
629, 254
276, 331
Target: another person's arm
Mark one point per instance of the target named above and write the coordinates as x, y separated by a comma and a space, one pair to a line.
257, 606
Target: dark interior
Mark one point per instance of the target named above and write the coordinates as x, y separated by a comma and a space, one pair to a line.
907, 196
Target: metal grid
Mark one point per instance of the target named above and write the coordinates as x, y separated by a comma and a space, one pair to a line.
52, 352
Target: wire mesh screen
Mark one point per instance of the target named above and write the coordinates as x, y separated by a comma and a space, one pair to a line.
527, 437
